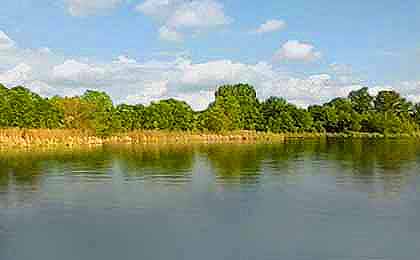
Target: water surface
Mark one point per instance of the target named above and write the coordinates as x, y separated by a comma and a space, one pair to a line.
301, 200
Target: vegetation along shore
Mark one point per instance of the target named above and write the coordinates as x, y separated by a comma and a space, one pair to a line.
236, 115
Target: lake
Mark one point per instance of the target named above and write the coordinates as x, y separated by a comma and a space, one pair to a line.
328, 199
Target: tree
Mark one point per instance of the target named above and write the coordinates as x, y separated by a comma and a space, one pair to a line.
25, 109
77, 113
389, 101
236, 107
4, 107
169, 114
130, 117
240, 104
361, 100
214, 120
280, 116
102, 115
348, 119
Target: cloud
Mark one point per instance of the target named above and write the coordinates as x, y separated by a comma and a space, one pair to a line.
298, 51
17, 75
376, 89
90, 7
72, 70
169, 34
270, 26
152, 91
178, 17
212, 72
198, 14
127, 80
124, 60
41, 88
132, 81
344, 73
5, 41
408, 89
157, 8
198, 100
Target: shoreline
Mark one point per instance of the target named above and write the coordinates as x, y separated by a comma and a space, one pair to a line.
15, 138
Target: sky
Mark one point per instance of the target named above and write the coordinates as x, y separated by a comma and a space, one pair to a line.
140, 51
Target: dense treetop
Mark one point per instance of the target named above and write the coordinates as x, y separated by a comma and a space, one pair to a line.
236, 107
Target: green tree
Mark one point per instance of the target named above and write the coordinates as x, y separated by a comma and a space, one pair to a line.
102, 115
130, 117
361, 100
214, 120
169, 114
389, 101
26, 109
280, 116
4, 107
77, 113
240, 104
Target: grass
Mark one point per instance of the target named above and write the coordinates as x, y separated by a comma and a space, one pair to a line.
12, 137
67, 137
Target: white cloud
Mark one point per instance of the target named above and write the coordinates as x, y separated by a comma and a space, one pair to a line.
298, 51
198, 100
124, 60
73, 70
5, 41
192, 82
270, 26
41, 88
45, 50
158, 8
212, 72
319, 78
168, 34
17, 75
376, 89
90, 7
151, 91
178, 17
128, 80
195, 83
198, 14
407, 89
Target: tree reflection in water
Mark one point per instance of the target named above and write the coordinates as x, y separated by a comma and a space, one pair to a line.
372, 166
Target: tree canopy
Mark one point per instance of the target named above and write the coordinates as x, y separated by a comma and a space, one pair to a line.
235, 107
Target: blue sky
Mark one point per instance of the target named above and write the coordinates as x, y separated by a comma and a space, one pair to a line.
140, 51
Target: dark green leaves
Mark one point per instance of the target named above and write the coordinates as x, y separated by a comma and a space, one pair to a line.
235, 107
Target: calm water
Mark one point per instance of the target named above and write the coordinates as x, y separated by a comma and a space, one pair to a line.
337, 200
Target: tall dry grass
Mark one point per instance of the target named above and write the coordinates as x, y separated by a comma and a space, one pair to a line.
68, 137
13, 137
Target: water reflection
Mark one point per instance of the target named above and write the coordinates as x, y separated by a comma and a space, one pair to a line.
170, 164
234, 164
248, 201
363, 165
383, 166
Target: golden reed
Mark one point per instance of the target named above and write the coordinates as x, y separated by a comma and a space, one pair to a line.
13, 137
70, 138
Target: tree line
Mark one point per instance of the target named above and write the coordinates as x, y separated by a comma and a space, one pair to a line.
236, 107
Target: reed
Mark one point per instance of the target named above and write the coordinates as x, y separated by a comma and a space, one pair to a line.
12, 137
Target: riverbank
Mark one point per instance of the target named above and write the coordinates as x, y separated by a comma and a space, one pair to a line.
72, 138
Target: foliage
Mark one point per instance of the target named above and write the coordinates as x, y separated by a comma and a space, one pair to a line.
236, 107
21, 108
280, 117
169, 114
